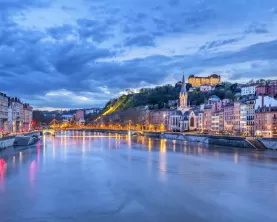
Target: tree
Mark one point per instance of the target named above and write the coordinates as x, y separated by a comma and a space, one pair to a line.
188, 86
229, 95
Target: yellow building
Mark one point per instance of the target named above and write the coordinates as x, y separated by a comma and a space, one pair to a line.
212, 80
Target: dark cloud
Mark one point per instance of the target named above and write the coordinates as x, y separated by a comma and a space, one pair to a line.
218, 43
260, 51
97, 30
133, 29
141, 40
199, 16
20, 4
60, 32
161, 24
141, 16
66, 8
157, 8
174, 3
257, 28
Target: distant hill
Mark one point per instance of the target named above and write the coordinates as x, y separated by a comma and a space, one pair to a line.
159, 97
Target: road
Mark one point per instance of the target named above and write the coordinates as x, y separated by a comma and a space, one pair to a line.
98, 177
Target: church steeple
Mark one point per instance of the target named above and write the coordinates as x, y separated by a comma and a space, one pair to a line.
183, 98
184, 88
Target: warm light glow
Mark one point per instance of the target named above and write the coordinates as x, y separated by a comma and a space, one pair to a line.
149, 144
162, 145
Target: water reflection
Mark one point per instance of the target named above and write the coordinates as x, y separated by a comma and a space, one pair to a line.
101, 170
3, 166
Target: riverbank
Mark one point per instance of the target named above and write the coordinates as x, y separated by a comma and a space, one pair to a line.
8, 141
228, 141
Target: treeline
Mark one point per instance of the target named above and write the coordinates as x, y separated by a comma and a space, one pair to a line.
159, 97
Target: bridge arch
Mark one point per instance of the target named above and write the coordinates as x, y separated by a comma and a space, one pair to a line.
50, 131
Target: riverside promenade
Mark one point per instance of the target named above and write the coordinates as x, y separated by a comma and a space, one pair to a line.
221, 140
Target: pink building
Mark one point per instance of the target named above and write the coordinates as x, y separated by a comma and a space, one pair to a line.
268, 90
228, 118
236, 119
79, 115
207, 123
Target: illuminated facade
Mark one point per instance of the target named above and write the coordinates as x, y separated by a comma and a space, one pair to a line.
212, 80
266, 122
3, 112
183, 98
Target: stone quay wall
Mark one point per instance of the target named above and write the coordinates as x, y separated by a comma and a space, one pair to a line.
270, 143
8, 141
209, 139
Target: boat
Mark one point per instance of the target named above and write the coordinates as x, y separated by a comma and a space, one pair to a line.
26, 140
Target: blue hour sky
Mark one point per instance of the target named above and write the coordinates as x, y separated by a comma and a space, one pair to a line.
81, 53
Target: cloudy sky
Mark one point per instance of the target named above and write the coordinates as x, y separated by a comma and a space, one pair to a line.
81, 53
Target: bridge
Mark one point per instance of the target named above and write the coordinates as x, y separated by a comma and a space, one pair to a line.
136, 133
130, 132
49, 131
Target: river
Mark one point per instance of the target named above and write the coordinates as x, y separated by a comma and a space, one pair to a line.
86, 176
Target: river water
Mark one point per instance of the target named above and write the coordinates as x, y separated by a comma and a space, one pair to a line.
78, 176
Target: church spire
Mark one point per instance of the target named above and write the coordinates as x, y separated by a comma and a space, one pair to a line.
184, 88
183, 98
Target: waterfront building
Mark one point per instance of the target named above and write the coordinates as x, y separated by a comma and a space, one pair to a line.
159, 119
248, 90
193, 120
243, 119
3, 113
236, 119
248, 114
17, 115
266, 121
207, 124
27, 117
201, 121
228, 117
217, 123
212, 80
10, 116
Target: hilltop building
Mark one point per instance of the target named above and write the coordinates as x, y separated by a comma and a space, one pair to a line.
211, 80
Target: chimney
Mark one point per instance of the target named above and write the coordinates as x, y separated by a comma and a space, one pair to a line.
262, 100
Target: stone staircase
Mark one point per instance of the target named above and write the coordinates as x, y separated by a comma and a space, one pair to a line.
24, 140
255, 143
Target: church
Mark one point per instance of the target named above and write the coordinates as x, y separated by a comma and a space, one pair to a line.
184, 118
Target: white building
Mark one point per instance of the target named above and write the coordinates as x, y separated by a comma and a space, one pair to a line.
243, 119
10, 117
248, 90
27, 117
206, 88
265, 101
201, 121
